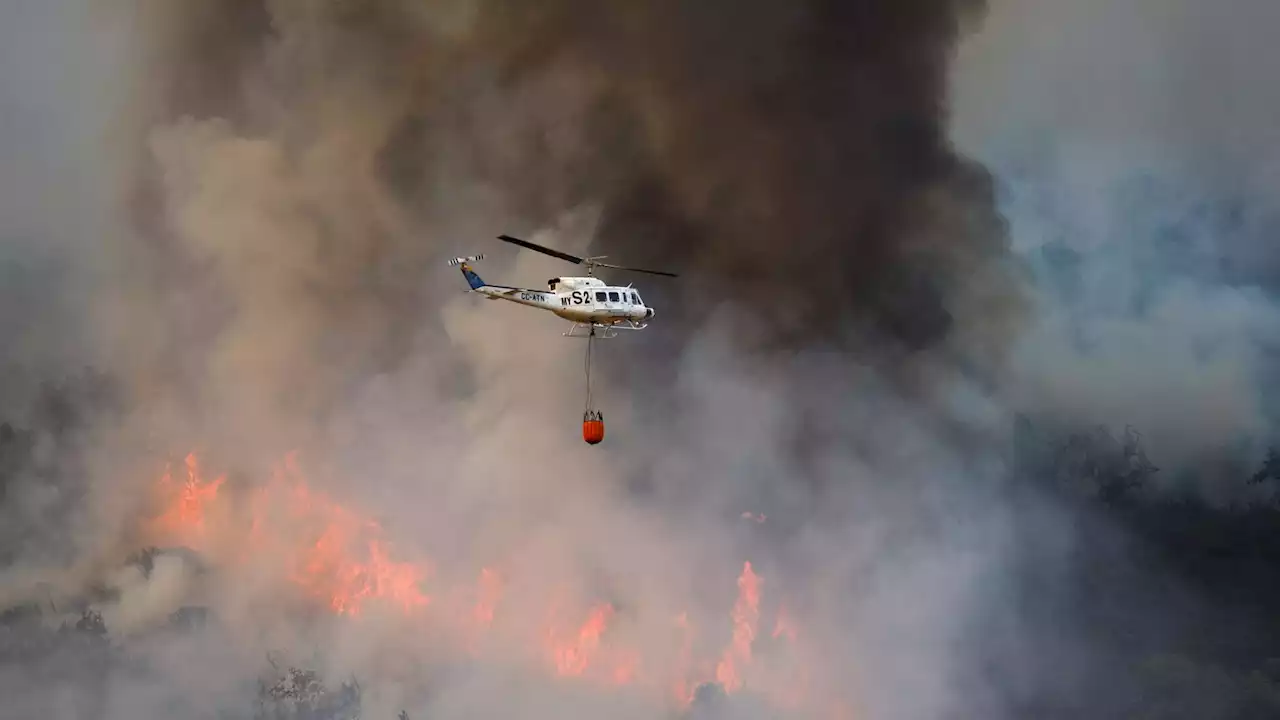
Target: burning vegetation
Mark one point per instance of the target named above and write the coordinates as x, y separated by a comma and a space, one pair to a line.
339, 561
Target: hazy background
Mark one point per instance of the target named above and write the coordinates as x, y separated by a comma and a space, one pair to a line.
1135, 145
892, 243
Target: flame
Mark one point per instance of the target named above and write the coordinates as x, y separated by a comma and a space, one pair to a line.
746, 615
342, 561
183, 521
572, 656
349, 563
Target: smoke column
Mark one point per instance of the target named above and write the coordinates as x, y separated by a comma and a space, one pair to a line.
1135, 146
259, 246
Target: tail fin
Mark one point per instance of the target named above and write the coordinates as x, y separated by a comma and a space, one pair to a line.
472, 278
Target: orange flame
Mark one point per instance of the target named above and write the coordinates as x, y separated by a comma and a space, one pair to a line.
332, 568
184, 519
746, 614
571, 657
345, 564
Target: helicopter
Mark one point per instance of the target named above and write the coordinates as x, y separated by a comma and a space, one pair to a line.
587, 302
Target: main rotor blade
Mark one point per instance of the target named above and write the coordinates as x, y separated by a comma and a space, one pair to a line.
639, 270
544, 250
575, 259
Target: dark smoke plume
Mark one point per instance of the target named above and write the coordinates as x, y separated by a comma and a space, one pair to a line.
238, 211
797, 164
294, 174
788, 158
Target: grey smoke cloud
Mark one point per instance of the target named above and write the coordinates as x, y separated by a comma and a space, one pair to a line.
295, 174
51, 190
1136, 147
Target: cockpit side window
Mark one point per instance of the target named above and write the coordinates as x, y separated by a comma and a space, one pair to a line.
635, 299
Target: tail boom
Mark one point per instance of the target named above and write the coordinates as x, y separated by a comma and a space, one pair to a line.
520, 296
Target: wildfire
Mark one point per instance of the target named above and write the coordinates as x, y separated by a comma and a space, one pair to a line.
183, 520
746, 614
346, 564
342, 561
571, 657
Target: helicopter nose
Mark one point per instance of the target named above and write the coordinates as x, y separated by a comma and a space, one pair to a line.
648, 313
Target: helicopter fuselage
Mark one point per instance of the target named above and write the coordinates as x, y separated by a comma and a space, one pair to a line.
585, 300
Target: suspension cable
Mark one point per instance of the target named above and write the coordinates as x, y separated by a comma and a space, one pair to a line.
591, 338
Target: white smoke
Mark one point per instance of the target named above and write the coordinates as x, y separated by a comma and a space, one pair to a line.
1135, 143
304, 308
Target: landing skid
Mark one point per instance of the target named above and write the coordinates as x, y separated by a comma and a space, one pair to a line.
601, 330
586, 330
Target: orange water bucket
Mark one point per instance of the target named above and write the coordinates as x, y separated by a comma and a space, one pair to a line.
593, 428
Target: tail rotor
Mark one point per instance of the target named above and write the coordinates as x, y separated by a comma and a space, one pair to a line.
464, 264
454, 262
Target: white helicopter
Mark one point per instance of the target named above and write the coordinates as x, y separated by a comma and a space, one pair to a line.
587, 302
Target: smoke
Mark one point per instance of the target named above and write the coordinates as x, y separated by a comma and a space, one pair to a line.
51, 193
260, 228
1135, 146
1134, 149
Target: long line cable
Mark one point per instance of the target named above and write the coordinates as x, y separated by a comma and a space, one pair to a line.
591, 339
